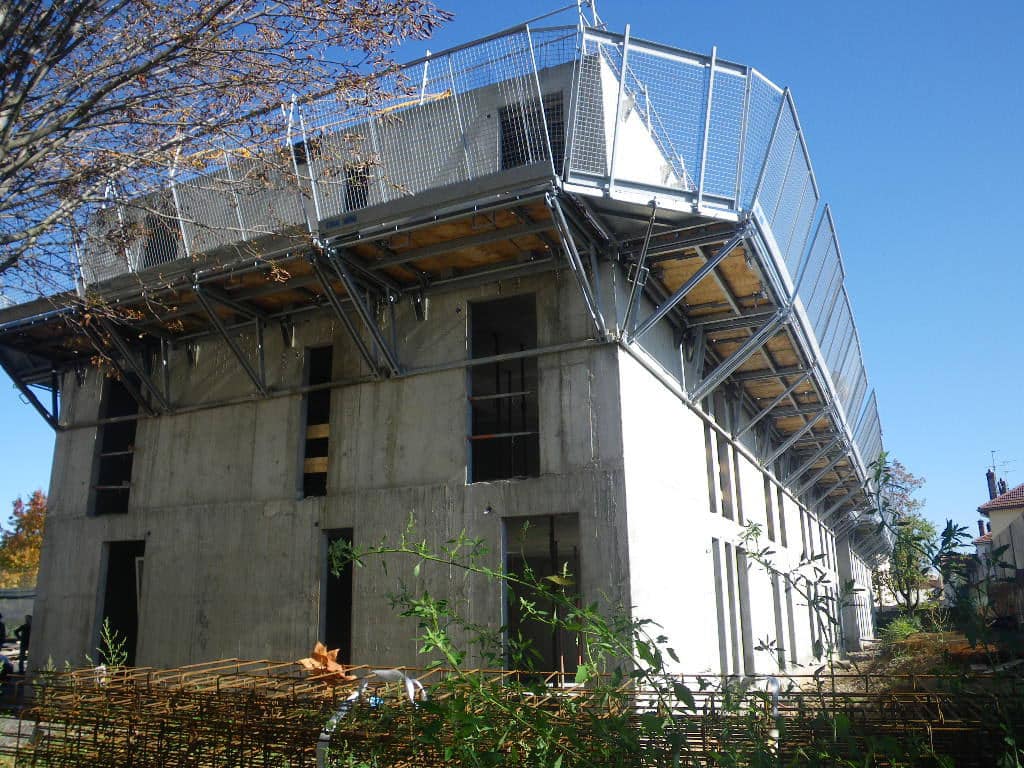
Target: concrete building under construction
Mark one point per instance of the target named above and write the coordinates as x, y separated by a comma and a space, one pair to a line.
566, 276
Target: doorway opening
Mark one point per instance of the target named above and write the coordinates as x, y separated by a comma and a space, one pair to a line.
336, 599
547, 546
122, 593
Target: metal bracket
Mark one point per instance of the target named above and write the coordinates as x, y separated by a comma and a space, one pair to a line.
706, 268
338, 262
256, 375
746, 350
572, 255
50, 417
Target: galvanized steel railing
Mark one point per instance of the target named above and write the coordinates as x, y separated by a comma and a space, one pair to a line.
632, 118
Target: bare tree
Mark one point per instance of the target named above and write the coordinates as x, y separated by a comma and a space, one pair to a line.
102, 95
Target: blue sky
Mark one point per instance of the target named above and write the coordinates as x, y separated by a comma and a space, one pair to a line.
913, 113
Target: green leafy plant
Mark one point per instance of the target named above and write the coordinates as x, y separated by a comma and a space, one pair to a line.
900, 628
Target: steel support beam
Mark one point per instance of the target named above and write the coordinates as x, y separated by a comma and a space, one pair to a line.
337, 261
821, 473
729, 322
771, 406
640, 275
835, 507
339, 312
28, 394
256, 376
123, 349
235, 305
748, 348
798, 473
791, 440
769, 373
101, 347
471, 241
576, 264
705, 269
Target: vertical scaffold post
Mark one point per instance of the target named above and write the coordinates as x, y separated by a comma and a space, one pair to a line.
618, 109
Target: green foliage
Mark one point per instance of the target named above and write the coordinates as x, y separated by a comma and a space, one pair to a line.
900, 628
113, 646
623, 707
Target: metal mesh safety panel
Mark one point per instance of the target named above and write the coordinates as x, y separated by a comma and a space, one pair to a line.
456, 116
660, 132
725, 133
762, 107
868, 434
595, 95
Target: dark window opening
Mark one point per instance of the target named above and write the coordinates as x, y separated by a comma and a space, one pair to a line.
336, 601
357, 186
504, 438
547, 545
317, 408
306, 150
122, 593
522, 133
116, 450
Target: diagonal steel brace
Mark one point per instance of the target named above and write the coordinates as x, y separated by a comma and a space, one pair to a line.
337, 262
706, 269
257, 377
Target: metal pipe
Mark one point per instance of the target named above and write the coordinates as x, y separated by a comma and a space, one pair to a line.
793, 438
357, 380
639, 279
618, 108
251, 372
686, 287
749, 347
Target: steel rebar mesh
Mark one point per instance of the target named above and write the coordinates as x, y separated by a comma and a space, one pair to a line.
249, 714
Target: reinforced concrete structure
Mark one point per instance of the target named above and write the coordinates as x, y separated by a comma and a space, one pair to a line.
567, 277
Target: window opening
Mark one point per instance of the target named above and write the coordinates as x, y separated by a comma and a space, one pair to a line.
782, 516
504, 431
768, 511
317, 409
116, 450
522, 133
336, 600
122, 592
546, 545
357, 186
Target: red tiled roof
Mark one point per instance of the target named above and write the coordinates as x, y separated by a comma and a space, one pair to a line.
1012, 498
986, 539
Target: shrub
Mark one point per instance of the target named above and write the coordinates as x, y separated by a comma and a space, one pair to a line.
901, 628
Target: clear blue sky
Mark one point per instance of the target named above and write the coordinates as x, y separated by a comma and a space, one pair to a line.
913, 112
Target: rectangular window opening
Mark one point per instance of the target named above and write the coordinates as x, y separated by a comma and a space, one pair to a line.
115, 443
768, 511
122, 593
522, 133
782, 516
357, 186
504, 434
317, 412
336, 600
547, 545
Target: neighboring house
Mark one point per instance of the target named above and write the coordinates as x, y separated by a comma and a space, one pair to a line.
1000, 549
552, 297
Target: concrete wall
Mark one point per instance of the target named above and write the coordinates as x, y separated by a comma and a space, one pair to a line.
858, 607
233, 560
